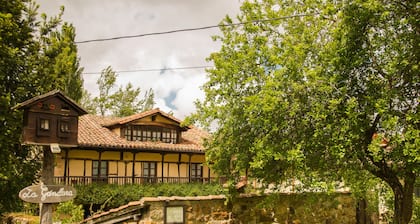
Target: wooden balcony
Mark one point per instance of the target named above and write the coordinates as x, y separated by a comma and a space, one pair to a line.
120, 180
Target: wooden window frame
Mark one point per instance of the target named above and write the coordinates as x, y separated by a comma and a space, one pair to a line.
40, 131
151, 133
196, 171
100, 177
146, 172
64, 133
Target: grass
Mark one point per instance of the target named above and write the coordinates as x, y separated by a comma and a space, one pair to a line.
21, 217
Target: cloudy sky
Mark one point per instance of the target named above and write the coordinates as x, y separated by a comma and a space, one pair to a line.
175, 90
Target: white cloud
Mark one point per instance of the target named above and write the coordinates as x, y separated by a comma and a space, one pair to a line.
108, 18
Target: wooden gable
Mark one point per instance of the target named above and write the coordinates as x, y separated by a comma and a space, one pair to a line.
153, 117
50, 118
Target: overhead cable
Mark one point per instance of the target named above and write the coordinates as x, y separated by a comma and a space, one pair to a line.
191, 29
153, 69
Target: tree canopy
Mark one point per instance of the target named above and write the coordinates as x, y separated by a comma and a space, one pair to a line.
35, 57
122, 102
318, 90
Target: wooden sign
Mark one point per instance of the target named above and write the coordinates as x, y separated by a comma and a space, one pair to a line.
47, 193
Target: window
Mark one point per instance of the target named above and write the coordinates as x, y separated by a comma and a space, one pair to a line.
43, 126
136, 133
127, 133
150, 133
196, 171
65, 107
99, 171
149, 172
174, 214
64, 127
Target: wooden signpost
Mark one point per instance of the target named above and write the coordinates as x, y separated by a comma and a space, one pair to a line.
50, 121
47, 193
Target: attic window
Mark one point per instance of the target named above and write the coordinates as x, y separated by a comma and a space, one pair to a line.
151, 133
65, 107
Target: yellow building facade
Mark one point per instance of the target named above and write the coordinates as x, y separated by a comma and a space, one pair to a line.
150, 147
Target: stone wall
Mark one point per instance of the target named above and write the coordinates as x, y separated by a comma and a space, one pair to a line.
278, 208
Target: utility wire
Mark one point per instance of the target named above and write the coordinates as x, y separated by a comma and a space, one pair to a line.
192, 29
152, 69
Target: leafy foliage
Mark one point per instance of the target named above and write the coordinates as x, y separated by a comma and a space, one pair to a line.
320, 91
108, 196
123, 102
68, 212
35, 57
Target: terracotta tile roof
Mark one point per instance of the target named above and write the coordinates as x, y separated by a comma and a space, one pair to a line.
143, 202
54, 93
128, 119
93, 133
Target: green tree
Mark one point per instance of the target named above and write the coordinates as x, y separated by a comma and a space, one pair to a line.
25, 73
126, 101
59, 66
105, 83
319, 91
123, 102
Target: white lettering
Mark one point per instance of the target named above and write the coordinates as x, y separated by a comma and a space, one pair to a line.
28, 193
46, 193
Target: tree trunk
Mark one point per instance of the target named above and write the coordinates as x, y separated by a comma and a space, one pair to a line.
403, 201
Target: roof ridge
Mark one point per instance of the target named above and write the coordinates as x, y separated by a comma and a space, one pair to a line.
127, 119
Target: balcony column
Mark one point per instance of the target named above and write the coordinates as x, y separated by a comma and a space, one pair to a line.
208, 169
163, 160
134, 168
99, 165
179, 167
189, 167
66, 164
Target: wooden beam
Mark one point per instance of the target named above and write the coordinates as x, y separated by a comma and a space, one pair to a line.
134, 168
47, 177
66, 161
163, 160
189, 167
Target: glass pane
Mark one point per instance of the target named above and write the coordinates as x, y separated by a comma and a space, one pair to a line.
152, 173
44, 124
104, 168
95, 168
127, 133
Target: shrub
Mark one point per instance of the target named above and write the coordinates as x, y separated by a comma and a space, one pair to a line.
102, 197
68, 212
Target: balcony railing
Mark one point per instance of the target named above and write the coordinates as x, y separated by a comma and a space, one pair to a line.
120, 180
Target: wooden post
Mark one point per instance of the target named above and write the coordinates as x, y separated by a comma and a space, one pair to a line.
47, 179
162, 167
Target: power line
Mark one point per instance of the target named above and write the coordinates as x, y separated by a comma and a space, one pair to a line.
192, 29
153, 69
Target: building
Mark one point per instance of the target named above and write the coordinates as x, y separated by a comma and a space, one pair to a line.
149, 147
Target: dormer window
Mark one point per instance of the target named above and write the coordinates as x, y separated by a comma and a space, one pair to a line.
151, 133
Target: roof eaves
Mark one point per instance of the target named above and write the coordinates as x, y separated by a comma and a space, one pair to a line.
52, 93
139, 148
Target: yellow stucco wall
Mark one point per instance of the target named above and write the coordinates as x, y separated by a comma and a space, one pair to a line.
80, 163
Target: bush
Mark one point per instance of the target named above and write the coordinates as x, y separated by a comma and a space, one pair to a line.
102, 197
68, 212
